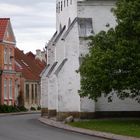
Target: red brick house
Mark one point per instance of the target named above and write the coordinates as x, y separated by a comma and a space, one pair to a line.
7, 63
28, 71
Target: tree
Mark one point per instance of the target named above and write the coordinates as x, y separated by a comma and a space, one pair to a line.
113, 62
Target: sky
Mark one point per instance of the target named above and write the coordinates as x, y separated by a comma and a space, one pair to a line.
33, 21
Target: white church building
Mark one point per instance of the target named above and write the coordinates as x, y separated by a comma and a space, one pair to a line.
75, 20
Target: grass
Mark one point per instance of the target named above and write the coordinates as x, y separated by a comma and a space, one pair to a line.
126, 127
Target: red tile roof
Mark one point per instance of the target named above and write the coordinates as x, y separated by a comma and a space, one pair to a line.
3, 26
28, 66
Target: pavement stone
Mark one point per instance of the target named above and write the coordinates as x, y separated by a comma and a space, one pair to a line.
61, 125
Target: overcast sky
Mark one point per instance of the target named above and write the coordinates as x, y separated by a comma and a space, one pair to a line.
33, 21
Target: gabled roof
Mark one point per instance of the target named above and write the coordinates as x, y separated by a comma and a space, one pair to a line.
6, 31
29, 66
3, 26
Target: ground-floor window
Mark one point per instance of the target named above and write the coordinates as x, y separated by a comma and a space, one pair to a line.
27, 93
10, 89
36, 97
32, 93
5, 89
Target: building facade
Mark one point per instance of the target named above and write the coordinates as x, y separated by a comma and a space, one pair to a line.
28, 71
75, 20
7, 63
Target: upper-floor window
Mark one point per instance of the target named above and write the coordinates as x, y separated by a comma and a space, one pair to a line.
64, 3
60, 28
85, 27
61, 5
5, 56
58, 7
10, 56
69, 22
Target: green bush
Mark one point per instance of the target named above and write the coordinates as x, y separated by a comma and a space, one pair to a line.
38, 108
33, 109
22, 108
10, 109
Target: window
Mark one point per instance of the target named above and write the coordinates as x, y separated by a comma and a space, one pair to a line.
5, 89
16, 89
60, 28
85, 27
69, 22
27, 93
81, 60
61, 5
67, 2
32, 93
36, 98
5, 56
10, 58
64, 3
10, 89
70, 1
56, 8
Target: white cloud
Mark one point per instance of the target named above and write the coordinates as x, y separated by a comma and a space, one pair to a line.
33, 21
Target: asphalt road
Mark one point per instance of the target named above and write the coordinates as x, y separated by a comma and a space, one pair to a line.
27, 127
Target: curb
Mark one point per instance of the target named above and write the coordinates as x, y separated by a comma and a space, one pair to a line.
18, 113
63, 126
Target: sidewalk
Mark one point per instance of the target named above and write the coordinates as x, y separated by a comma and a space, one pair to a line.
19, 113
61, 125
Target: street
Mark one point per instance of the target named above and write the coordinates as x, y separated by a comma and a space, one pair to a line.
27, 127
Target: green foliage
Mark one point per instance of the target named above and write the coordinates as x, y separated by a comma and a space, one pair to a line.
33, 109
7, 109
38, 108
113, 63
10, 109
22, 109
